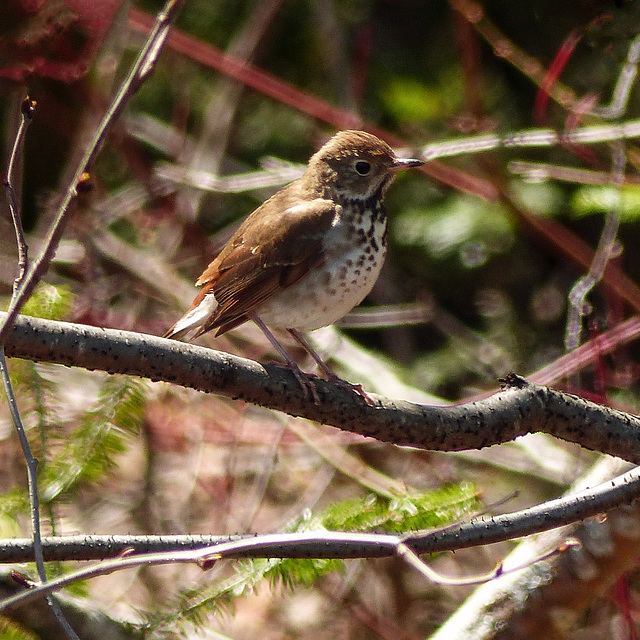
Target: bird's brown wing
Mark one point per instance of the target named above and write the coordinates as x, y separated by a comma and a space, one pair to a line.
263, 257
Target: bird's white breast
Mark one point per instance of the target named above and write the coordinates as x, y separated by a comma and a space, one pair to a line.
355, 250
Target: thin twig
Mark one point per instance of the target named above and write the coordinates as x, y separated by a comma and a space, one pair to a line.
32, 482
32, 465
581, 289
531, 138
140, 70
26, 115
27, 110
376, 544
207, 181
541, 171
413, 560
574, 507
330, 544
622, 89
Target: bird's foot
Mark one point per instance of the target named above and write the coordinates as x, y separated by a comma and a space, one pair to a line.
358, 389
306, 382
330, 375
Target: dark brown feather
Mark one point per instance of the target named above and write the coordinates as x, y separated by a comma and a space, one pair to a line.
266, 254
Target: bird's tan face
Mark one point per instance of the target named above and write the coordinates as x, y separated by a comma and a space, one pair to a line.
359, 175
354, 165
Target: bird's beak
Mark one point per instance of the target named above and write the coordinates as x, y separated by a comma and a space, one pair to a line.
406, 163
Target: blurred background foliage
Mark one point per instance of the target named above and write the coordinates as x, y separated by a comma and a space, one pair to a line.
490, 295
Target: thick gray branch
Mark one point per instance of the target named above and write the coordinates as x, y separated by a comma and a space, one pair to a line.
517, 409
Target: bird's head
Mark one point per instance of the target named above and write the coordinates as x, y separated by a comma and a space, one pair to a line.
355, 165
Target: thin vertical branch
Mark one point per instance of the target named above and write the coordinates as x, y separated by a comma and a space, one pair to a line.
582, 288
27, 110
34, 502
622, 90
141, 69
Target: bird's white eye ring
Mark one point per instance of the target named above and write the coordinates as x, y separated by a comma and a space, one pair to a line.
362, 167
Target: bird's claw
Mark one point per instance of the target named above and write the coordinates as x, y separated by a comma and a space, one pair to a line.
305, 380
358, 389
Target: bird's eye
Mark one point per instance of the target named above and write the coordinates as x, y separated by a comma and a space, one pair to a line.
362, 167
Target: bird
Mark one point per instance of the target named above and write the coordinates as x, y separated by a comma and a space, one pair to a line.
307, 255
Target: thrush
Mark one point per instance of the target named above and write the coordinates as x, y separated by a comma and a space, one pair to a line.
308, 254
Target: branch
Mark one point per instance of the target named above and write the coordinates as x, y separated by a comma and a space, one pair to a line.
486, 530
567, 584
531, 138
519, 408
323, 544
606, 246
26, 115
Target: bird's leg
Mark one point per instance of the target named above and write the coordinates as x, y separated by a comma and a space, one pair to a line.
331, 375
305, 383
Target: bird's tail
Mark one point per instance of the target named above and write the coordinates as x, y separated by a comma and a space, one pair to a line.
199, 313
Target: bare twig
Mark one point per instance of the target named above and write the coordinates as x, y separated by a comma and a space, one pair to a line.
378, 545
622, 89
327, 544
540, 171
582, 288
532, 138
412, 559
574, 507
140, 70
32, 465
26, 115
208, 181
32, 482
27, 110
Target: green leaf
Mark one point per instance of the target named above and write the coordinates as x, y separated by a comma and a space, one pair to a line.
90, 450
409, 512
411, 100
590, 200
49, 302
